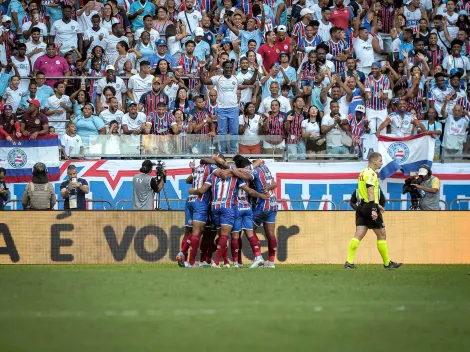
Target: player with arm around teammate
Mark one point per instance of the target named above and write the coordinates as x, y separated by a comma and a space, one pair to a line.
224, 188
368, 214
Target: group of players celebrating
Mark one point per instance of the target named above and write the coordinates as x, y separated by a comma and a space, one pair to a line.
225, 200
228, 198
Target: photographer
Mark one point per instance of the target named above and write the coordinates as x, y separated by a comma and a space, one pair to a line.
145, 186
73, 190
429, 188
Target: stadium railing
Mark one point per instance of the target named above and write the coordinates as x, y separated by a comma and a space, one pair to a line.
104, 204
390, 204
456, 204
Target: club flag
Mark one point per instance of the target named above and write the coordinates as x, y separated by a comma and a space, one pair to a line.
19, 156
405, 154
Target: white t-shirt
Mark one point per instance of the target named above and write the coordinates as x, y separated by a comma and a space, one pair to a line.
85, 20
40, 25
247, 93
24, 69
139, 85
13, 97
310, 127
174, 45
118, 84
333, 137
134, 124
193, 20
30, 46
401, 126
66, 33
265, 105
364, 52
71, 144
451, 62
90, 33
250, 136
53, 103
107, 116
154, 35
343, 106
108, 25
226, 90
111, 51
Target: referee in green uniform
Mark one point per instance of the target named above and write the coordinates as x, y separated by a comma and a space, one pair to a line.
368, 213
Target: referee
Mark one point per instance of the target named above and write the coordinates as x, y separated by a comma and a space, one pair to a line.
368, 213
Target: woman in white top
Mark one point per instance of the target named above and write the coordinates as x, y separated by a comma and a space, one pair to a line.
314, 142
249, 128
174, 35
125, 54
108, 19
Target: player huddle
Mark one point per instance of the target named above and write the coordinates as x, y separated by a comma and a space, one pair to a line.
227, 199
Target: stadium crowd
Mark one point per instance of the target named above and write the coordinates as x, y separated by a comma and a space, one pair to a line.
309, 76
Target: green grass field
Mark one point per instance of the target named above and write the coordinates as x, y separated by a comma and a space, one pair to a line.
291, 308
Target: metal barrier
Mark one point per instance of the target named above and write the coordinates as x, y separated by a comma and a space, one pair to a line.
458, 201
298, 204
322, 158
395, 201
105, 205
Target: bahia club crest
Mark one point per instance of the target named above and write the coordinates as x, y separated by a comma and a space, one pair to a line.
399, 151
17, 158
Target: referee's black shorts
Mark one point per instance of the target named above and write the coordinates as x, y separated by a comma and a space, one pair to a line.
364, 217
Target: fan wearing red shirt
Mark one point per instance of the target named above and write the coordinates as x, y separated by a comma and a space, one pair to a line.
341, 15
282, 40
268, 51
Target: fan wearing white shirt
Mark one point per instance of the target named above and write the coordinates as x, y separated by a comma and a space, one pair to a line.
112, 81
227, 87
35, 47
455, 130
134, 122
112, 113
96, 35
85, 14
148, 27
34, 23
57, 107
111, 42
284, 102
66, 32
191, 19
456, 61
71, 142
140, 83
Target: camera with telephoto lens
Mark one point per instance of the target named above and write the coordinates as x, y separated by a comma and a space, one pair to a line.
414, 192
160, 171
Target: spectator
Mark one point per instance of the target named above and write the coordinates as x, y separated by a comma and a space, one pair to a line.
71, 143
401, 121
336, 88
293, 128
161, 54
73, 190
287, 74
249, 128
274, 128
138, 11
111, 80
311, 132
57, 106
108, 19
149, 101
438, 93
358, 126
118, 35
9, 125
34, 22
4, 193
331, 126
112, 113
35, 48
39, 194
268, 51
33, 123
140, 83
274, 90
96, 35
434, 127
455, 130
78, 100
146, 47
202, 50
377, 87
13, 95
88, 124
190, 18
153, 34
182, 102
51, 65
113, 139
134, 122
67, 33
162, 21
163, 122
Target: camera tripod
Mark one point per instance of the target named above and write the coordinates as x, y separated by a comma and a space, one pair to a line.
158, 199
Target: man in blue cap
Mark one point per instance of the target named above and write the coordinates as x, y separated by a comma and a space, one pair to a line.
161, 54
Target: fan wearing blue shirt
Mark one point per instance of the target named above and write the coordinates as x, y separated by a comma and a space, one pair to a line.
137, 12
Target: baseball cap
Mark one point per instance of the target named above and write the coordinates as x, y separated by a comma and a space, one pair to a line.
35, 102
161, 42
110, 67
305, 12
463, 12
132, 103
198, 32
376, 63
281, 28
225, 41
360, 108
6, 19
7, 106
455, 73
423, 170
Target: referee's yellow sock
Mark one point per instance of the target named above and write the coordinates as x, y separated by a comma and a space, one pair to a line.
382, 247
353, 244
